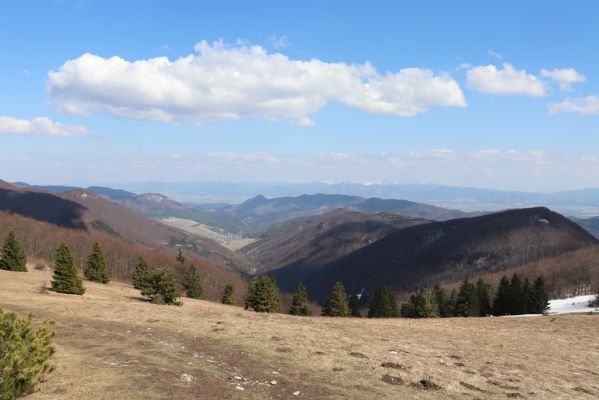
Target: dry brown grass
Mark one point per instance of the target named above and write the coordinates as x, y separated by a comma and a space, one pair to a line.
111, 345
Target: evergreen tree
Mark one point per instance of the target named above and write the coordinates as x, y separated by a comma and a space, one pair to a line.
180, 258
161, 287
299, 304
501, 305
95, 269
467, 301
141, 274
193, 283
12, 256
354, 306
422, 304
451, 304
263, 295
66, 279
517, 301
441, 302
382, 304
525, 307
538, 298
228, 294
484, 293
336, 304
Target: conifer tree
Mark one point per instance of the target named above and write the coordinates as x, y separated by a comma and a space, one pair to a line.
180, 258
141, 274
354, 306
228, 294
483, 292
336, 304
501, 305
382, 304
12, 256
161, 287
517, 300
263, 295
441, 302
538, 298
299, 304
95, 269
467, 301
193, 283
525, 307
66, 279
451, 304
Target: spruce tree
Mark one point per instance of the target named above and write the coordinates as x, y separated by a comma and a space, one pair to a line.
354, 306
336, 304
517, 300
12, 256
467, 301
161, 287
525, 307
299, 304
382, 304
538, 299
441, 303
66, 279
501, 305
263, 295
141, 274
228, 294
451, 304
180, 258
95, 269
193, 283
483, 292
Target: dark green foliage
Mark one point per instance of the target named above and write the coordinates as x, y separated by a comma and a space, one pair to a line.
467, 301
444, 308
336, 304
420, 305
66, 279
228, 295
180, 257
451, 303
382, 304
193, 283
161, 287
12, 256
538, 299
141, 273
299, 304
354, 306
517, 303
263, 295
95, 269
24, 354
501, 305
484, 293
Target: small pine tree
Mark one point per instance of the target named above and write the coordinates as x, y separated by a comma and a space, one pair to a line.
193, 283
354, 306
161, 287
25, 352
66, 279
538, 298
336, 304
440, 300
517, 303
501, 305
141, 273
451, 303
484, 293
12, 256
95, 269
228, 294
382, 304
263, 295
180, 257
299, 304
422, 304
467, 301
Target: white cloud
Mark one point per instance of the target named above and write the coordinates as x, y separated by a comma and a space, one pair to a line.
564, 76
494, 54
581, 105
489, 79
40, 126
231, 82
279, 42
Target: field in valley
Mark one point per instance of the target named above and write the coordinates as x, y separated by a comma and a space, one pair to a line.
112, 345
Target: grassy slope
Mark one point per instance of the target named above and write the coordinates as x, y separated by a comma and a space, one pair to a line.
111, 345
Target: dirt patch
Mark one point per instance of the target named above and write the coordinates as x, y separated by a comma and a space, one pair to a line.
392, 380
358, 355
472, 387
426, 384
393, 365
583, 390
503, 385
514, 395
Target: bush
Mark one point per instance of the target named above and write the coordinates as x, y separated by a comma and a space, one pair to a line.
24, 354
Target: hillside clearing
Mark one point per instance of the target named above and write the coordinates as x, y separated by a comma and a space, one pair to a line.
112, 345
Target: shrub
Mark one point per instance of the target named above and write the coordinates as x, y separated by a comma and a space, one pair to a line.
24, 354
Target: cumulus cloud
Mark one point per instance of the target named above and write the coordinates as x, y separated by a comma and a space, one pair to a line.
231, 82
508, 80
581, 105
40, 126
564, 76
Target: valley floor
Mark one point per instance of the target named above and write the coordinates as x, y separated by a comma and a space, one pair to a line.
111, 345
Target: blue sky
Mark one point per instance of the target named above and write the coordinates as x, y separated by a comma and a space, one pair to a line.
487, 94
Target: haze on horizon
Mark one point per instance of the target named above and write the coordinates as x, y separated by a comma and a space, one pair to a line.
502, 96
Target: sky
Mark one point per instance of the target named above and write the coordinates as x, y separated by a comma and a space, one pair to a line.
472, 93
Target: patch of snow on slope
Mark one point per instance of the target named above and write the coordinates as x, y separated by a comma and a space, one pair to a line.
572, 305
